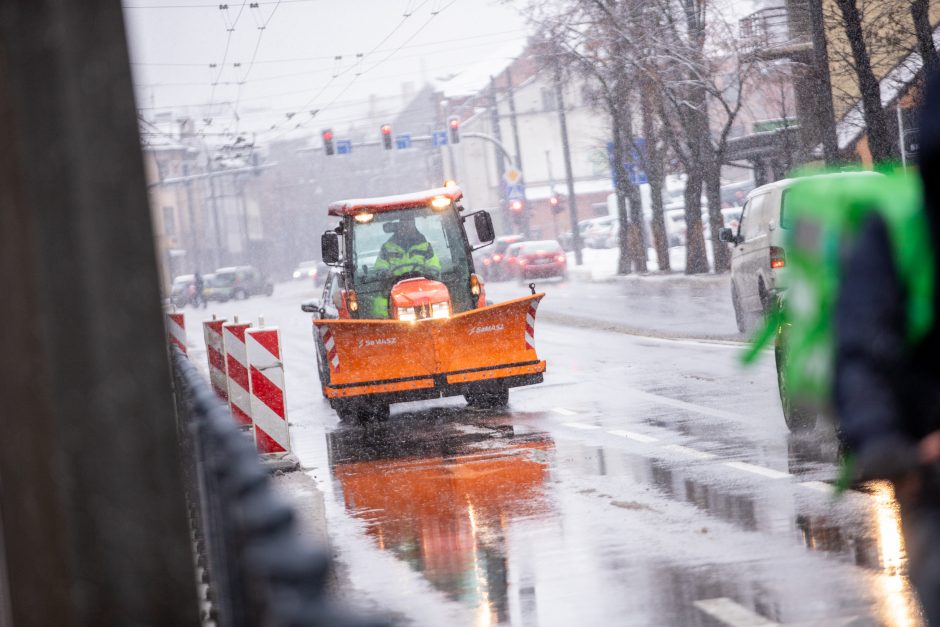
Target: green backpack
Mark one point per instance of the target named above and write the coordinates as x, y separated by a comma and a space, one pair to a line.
821, 216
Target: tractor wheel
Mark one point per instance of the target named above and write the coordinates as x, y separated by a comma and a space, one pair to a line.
490, 399
796, 417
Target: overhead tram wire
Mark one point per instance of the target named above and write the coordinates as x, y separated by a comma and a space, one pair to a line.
390, 55
407, 14
205, 6
254, 55
228, 42
496, 35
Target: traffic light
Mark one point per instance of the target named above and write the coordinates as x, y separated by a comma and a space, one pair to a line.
555, 203
454, 124
387, 136
328, 142
516, 206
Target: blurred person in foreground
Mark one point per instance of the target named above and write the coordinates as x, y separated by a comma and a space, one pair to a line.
887, 388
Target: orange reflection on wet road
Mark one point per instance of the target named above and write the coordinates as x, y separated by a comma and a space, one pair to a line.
445, 511
898, 603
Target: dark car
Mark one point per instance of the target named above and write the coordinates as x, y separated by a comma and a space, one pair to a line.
494, 266
238, 283
539, 260
181, 290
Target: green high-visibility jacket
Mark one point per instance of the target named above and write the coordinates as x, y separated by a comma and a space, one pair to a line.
400, 258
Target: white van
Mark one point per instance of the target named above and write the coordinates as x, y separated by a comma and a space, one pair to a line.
758, 258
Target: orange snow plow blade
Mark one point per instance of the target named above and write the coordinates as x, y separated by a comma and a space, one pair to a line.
430, 358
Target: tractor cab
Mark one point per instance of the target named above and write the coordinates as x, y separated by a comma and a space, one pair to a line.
407, 257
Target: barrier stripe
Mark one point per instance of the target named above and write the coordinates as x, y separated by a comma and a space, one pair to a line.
329, 344
236, 366
215, 353
176, 330
266, 375
530, 324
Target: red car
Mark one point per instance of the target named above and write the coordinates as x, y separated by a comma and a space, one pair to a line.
540, 260
495, 267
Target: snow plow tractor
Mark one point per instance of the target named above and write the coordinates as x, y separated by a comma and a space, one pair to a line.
404, 315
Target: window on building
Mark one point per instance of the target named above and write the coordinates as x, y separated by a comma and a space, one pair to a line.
548, 99
169, 221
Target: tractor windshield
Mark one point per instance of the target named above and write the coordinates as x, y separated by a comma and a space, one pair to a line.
410, 242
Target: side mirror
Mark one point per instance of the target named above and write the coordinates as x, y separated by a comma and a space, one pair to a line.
484, 226
329, 246
726, 235
310, 306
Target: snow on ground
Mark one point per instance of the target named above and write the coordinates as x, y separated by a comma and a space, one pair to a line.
600, 264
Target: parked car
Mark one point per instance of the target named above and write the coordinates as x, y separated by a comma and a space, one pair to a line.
540, 259
758, 258
180, 294
238, 283
315, 270
494, 266
598, 233
567, 241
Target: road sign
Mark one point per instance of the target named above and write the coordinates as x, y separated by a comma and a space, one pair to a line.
631, 164
439, 138
343, 147
513, 177
515, 191
403, 141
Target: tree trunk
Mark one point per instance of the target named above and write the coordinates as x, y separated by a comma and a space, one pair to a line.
620, 174
654, 174
720, 252
696, 261
920, 13
879, 137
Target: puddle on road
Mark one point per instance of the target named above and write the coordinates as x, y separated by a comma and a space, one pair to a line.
440, 495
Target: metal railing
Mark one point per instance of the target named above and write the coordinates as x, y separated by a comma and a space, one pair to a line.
774, 27
258, 570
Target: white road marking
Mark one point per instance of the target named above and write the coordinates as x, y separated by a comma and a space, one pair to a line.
564, 412
579, 425
671, 402
639, 437
759, 470
690, 452
730, 613
819, 486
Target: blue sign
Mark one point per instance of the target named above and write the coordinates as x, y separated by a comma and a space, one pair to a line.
631, 164
439, 138
343, 147
403, 141
515, 191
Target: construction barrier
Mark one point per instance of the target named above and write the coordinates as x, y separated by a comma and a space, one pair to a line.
266, 374
176, 330
236, 371
215, 353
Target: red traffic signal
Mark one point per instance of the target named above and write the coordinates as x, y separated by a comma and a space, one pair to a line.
454, 124
387, 136
328, 142
516, 206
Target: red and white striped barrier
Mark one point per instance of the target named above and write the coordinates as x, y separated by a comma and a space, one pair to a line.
530, 324
176, 330
268, 408
215, 352
236, 371
330, 345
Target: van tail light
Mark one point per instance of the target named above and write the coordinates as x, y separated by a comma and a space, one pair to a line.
778, 258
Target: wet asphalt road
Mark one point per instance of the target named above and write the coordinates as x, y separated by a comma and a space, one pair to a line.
647, 481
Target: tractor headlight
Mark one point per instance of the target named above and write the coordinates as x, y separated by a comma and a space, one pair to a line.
407, 315
440, 310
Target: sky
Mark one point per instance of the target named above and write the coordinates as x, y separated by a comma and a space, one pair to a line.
180, 48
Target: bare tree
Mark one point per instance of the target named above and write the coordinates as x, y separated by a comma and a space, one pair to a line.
920, 14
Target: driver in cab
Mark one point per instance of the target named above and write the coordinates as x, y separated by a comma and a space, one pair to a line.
407, 251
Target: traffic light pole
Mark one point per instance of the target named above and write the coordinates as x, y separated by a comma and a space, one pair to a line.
510, 96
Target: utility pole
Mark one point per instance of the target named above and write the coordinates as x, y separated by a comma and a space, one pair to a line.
194, 247
510, 94
215, 212
569, 171
500, 161
824, 110
551, 191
